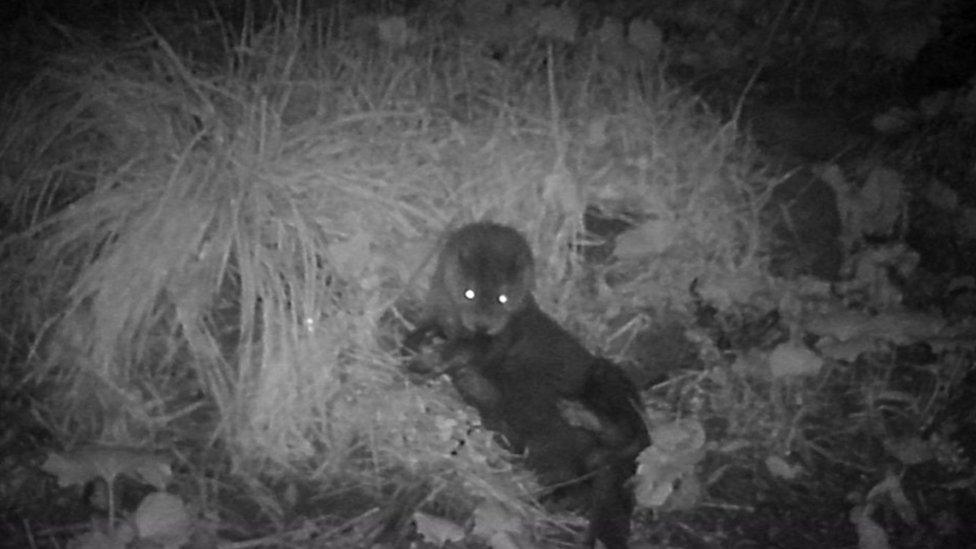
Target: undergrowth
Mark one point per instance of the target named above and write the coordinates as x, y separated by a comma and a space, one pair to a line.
214, 249
214, 244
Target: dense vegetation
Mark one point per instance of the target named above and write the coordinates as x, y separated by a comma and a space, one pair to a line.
217, 220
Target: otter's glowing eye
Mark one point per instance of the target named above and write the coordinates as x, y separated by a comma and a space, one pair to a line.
503, 299
469, 293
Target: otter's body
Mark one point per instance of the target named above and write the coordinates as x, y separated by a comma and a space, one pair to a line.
572, 414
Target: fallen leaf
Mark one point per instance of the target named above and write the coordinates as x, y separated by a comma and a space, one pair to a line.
644, 35
729, 289
751, 364
869, 534
881, 201
491, 516
910, 450
394, 31
437, 530
611, 32
792, 360
69, 471
779, 468
840, 326
680, 438
650, 238
351, 257
162, 518
558, 23
849, 350
107, 462
677, 447
905, 328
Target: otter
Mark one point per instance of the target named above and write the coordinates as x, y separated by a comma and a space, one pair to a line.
575, 417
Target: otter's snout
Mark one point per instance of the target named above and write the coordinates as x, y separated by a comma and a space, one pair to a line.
481, 323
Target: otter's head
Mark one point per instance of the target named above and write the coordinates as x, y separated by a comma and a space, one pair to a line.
490, 275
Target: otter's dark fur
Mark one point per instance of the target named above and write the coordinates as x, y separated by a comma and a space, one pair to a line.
573, 415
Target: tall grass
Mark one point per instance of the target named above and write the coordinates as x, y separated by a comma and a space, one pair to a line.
216, 243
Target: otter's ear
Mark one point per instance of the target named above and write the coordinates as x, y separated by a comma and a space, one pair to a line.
465, 253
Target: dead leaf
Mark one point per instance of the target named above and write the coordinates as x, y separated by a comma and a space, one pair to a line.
792, 360
351, 257
558, 23
870, 535
492, 518
394, 31
724, 290
677, 447
849, 350
863, 332
162, 518
881, 201
779, 468
644, 35
752, 364
611, 33
69, 471
680, 438
437, 530
647, 239
905, 328
88, 463
909, 450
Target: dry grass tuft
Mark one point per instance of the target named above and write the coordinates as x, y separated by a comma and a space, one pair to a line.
215, 249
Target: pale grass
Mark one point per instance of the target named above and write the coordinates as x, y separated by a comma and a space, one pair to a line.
306, 183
